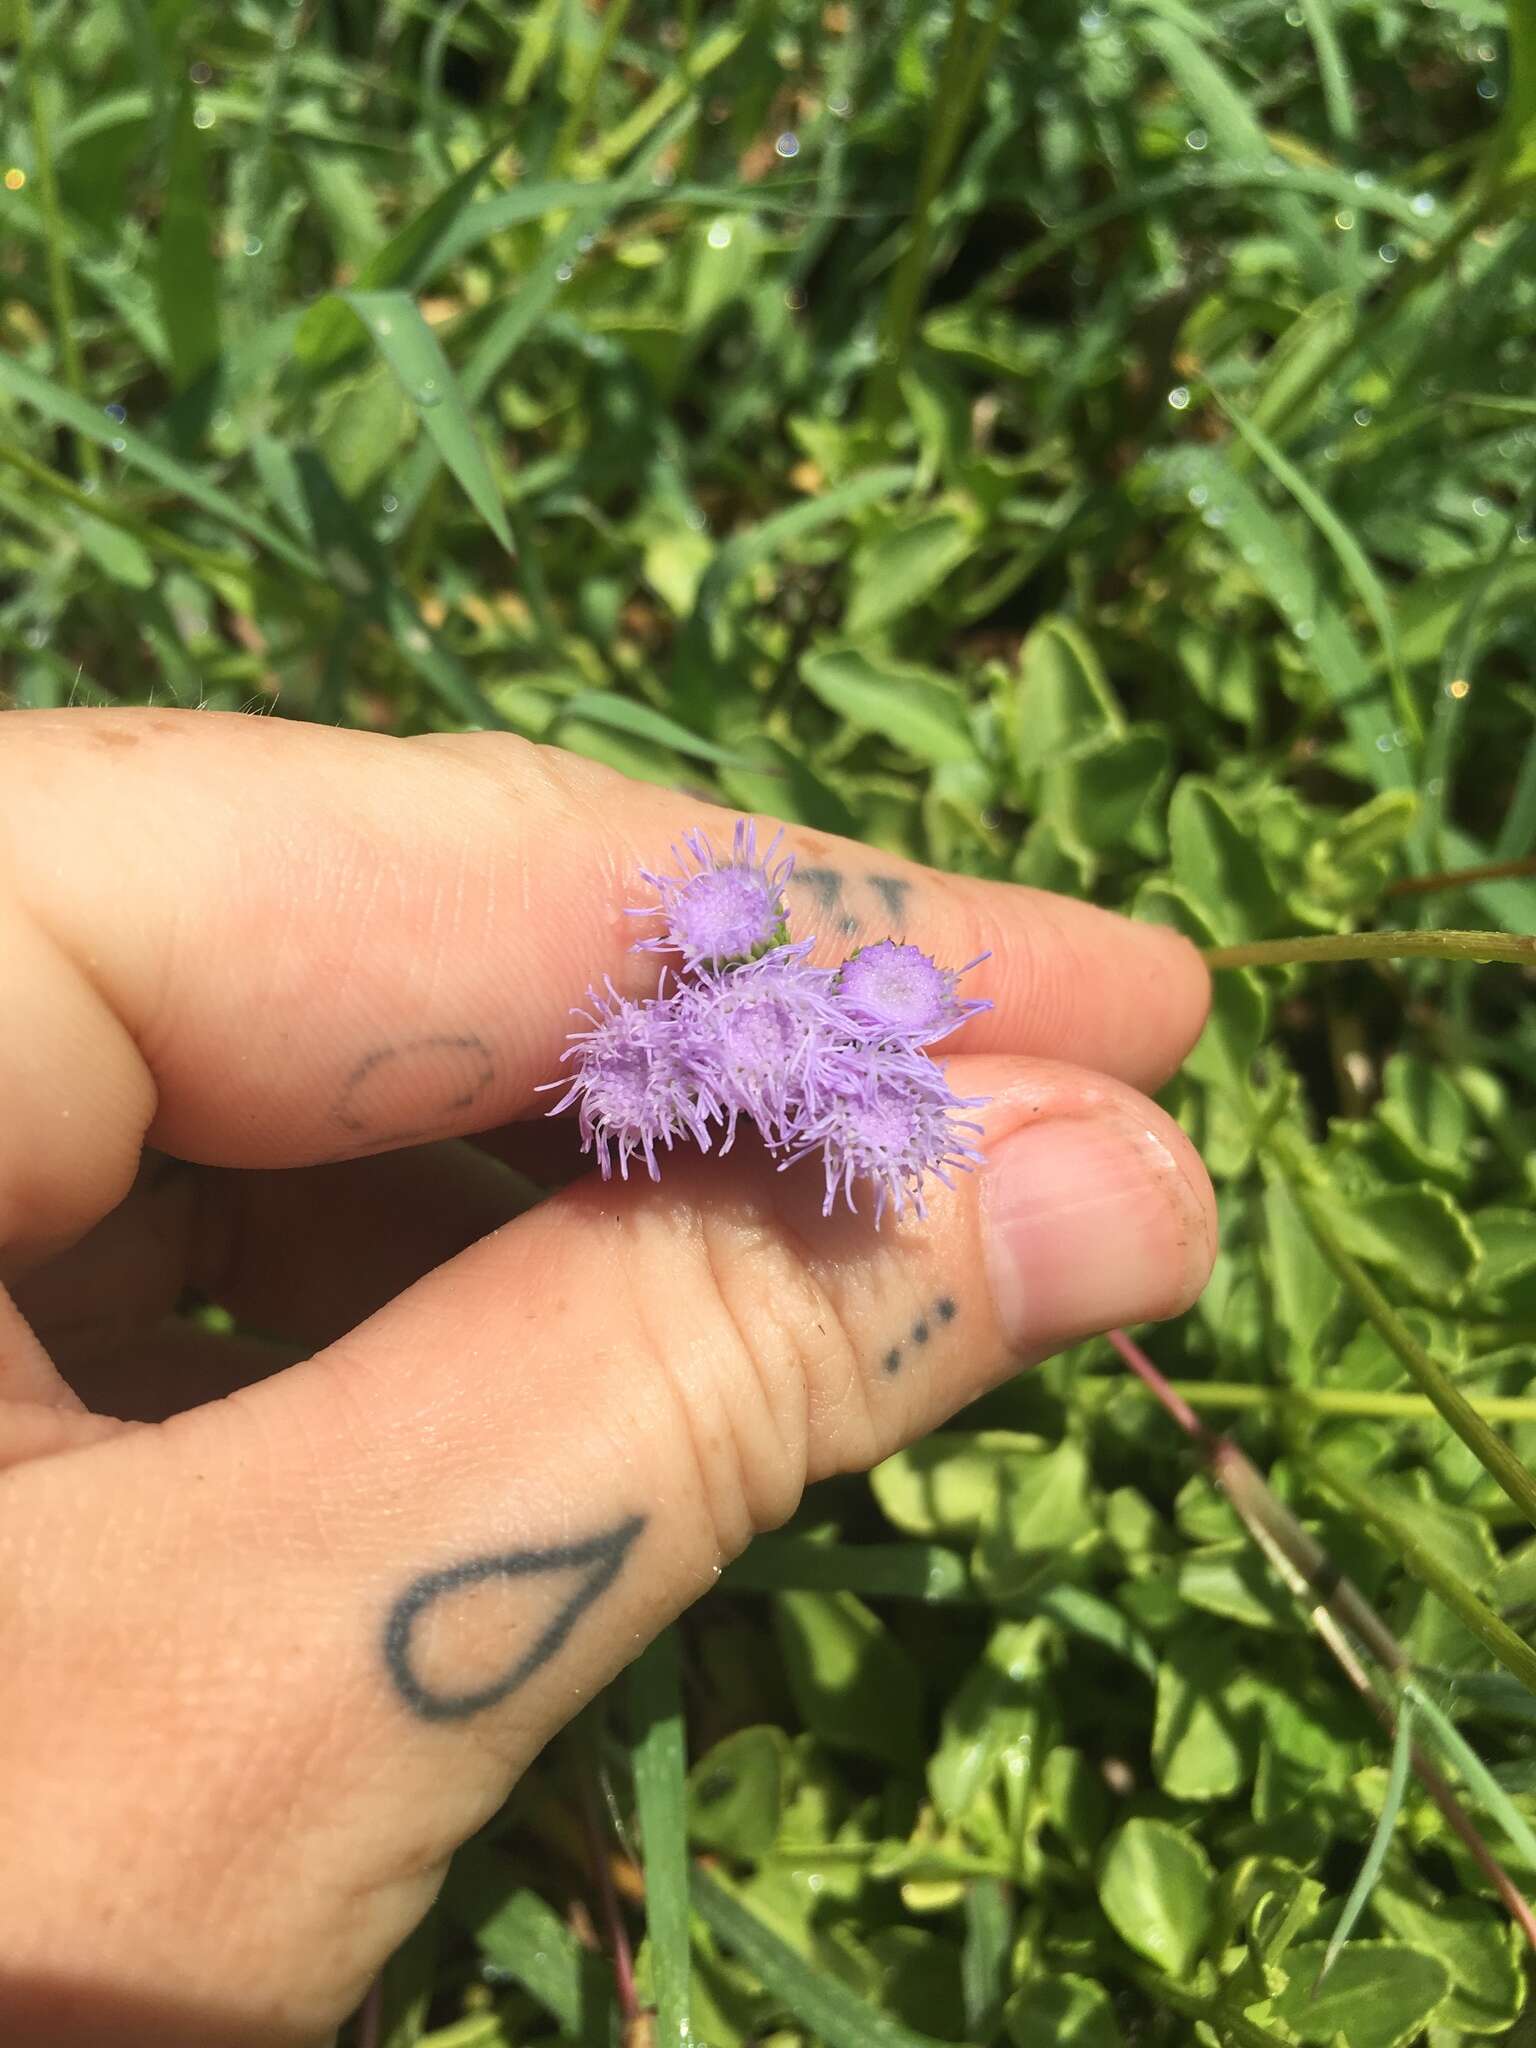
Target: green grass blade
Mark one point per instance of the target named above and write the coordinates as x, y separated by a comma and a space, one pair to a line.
187, 276
1349, 554
832, 2014
886, 1571
1264, 542
1380, 1842
1473, 1772
405, 341
661, 1802
1332, 69
406, 261
139, 452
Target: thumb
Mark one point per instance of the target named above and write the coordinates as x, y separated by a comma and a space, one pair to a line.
329, 1619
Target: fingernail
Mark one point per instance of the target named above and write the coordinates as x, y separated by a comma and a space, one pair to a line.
1089, 1221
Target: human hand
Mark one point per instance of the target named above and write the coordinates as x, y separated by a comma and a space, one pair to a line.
271, 1656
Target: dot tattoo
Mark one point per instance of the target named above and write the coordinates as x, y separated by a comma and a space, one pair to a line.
942, 1311
598, 1560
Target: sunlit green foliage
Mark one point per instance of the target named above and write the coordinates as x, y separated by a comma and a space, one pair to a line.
1092, 446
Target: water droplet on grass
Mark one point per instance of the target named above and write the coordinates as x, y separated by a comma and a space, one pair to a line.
788, 143
252, 245
1365, 180
1196, 139
116, 412
719, 236
1388, 252
1486, 89
118, 444
1423, 203
1178, 397
564, 272
1345, 217
838, 103
1303, 629
1363, 415
1198, 495
427, 392
202, 117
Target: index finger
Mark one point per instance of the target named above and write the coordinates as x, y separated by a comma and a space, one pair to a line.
256, 943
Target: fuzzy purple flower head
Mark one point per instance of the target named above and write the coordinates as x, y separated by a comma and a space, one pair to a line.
822, 1061
726, 911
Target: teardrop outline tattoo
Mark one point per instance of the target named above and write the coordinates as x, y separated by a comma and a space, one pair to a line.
605, 1553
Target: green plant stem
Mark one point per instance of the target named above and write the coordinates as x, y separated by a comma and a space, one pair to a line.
1516, 947
568, 141
1490, 1449
961, 73
1232, 1396
156, 538
60, 291
1420, 1559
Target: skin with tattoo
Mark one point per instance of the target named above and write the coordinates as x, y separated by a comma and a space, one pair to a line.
290, 1597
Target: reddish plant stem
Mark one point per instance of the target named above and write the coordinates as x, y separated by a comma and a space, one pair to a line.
1335, 1606
615, 1932
1462, 878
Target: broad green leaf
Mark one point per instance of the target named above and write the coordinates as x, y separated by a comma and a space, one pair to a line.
1480, 1949
993, 1723
1104, 794
736, 1792
1305, 1287
114, 550
1201, 1748
395, 326
1418, 1234
1044, 1508
1062, 2012
901, 568
1156, 1886
852, 1682
1061, 698
912, 707
1221, 862
1377, 1995
1232, 1580
949, 1484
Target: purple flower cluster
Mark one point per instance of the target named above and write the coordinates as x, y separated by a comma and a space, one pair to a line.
820, 1060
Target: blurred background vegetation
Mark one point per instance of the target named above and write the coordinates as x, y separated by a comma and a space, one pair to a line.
1088, 445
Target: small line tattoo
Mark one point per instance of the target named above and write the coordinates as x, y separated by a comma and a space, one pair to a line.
827, 884
600, 1559
893, 895
943, 1311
